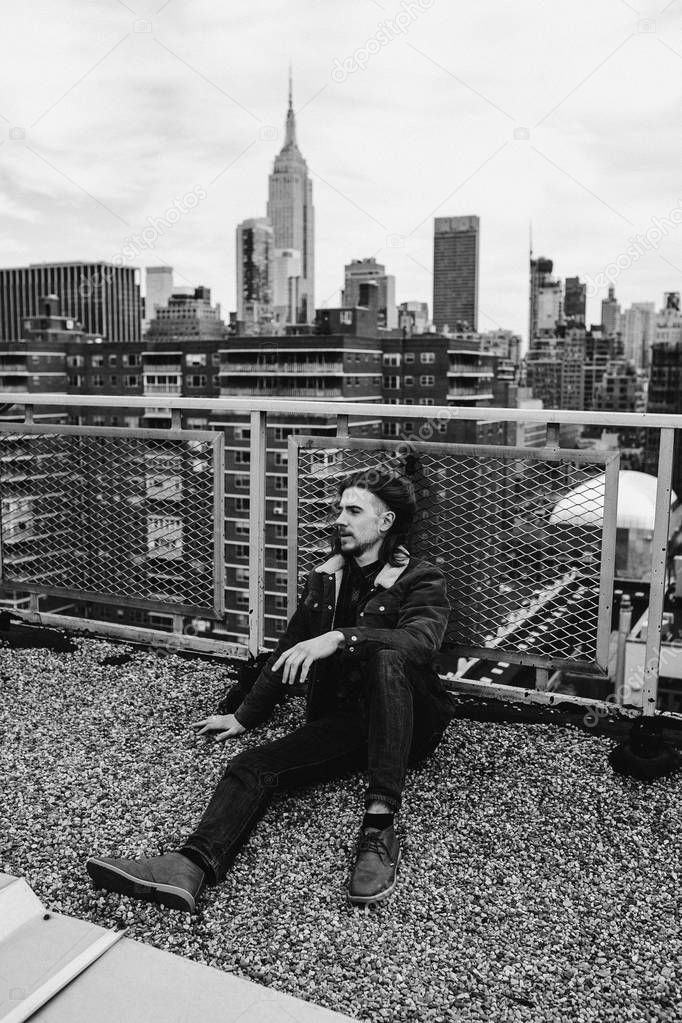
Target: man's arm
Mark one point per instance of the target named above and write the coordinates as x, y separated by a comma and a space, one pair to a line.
268, 689
421, 625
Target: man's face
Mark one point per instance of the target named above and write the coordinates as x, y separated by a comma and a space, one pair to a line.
363, 522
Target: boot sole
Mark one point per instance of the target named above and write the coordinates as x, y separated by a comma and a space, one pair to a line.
113, 879
370, 900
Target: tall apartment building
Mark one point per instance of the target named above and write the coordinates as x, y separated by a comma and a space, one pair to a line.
290, 211
102, 297
610, 314
546, 308
638, 330
158, 290
555, 371
455, 273
255, 245
665, 380
361, 271
575, 301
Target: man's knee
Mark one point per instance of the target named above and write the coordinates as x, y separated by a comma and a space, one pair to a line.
253, 768
388, 665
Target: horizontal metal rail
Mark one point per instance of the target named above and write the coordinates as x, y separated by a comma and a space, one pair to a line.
245, 406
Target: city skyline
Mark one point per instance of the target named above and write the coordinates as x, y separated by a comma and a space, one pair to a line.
125, 114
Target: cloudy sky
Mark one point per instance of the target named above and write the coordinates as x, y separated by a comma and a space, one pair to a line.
112, 112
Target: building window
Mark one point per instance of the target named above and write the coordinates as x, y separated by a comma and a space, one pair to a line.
75, 361
215, 359
242, 599
409, 381
346, 317
131, 359
196, 423
391, 383
113, 380
392, 359
241, 529
97, 361
241, 482
242, 433
280, 602
426, 401
391, 428
280, 483
281, 581
242, 504
281, 555
196, 381
426, 380
97, 380
242, 457
409, 357
132, 422
195, 359
283, 432
131, 380
113, 359
99, 421
427, 357
281, 458
241, 550
280, 531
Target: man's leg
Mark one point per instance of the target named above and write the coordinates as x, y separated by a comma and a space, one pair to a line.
389, 710
318, 751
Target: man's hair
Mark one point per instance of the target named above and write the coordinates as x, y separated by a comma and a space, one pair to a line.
397, 493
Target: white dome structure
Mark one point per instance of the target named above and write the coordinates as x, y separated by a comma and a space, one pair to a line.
636, 502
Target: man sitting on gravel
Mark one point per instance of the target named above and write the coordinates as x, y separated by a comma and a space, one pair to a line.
375, 617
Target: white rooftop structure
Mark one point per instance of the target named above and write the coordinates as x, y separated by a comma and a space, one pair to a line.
636, 502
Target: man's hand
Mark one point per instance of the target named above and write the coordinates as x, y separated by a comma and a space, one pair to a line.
301, 656
226, 724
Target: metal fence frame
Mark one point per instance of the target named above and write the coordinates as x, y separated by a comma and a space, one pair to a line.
217, 445
258, 410
608, 460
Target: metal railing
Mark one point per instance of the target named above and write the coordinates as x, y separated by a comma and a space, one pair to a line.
490, 643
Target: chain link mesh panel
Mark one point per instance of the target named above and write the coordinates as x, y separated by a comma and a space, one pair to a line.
115, 515
525, 538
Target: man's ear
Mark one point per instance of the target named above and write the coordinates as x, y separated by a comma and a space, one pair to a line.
391, 517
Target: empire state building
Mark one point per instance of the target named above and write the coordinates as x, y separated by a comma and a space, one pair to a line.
291, 214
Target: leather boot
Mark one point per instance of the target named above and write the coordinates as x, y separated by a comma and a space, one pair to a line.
170, 880
376, 867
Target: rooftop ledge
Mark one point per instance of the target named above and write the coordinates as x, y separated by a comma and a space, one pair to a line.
535, 885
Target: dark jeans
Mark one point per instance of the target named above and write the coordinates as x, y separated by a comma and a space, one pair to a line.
398, 719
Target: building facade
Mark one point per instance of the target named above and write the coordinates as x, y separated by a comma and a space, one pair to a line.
456, 243
102, 297
360, 271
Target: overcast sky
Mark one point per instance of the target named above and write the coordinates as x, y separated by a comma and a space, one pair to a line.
563, 115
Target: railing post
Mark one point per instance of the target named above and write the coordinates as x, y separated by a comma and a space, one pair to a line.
28, 413
342, 426
257, 532
176, 419
659, 557
553, 435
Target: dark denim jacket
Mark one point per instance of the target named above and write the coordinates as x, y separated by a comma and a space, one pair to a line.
407, 610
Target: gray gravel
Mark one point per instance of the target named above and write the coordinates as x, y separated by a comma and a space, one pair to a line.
535, 885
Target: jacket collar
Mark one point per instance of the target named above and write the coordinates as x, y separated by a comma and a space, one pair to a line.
388, 575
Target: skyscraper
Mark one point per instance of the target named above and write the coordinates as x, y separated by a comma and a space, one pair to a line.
103, 297
254, 284
158, 289
291, 213
575, 301
455, 272
546, 300
610, 313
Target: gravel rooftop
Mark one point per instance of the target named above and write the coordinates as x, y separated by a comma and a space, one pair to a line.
535, 885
